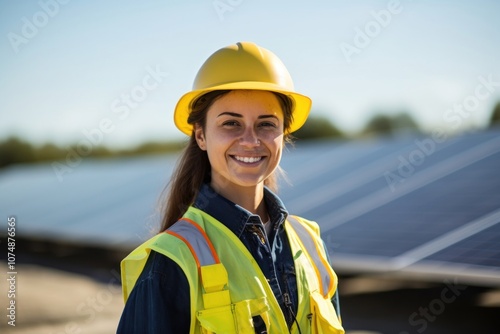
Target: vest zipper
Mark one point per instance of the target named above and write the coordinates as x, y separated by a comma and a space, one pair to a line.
288, 304
235, 321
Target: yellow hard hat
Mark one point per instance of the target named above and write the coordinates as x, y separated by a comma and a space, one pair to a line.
243, 65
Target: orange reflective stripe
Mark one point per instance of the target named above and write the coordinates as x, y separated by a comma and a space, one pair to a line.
197, 241
321, 266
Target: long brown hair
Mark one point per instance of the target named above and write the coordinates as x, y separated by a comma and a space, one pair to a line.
193, 166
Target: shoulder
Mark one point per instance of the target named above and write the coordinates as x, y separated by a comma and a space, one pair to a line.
158, 255
160, 282
309, 224
160, 267
195, 214
164, 243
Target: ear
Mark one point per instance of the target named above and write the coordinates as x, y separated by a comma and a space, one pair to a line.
199, 135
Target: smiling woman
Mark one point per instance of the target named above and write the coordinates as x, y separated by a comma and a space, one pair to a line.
243, 145
229, 254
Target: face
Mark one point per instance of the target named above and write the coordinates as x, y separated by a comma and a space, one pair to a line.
243, 137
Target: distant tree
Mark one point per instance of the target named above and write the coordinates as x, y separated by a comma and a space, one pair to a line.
153, 147
379, 124
317, 127
159, 147
101, 151
403, 121
385, 124
495, 115
14, 150
49, 152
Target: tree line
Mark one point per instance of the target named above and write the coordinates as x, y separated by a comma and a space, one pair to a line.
16, 150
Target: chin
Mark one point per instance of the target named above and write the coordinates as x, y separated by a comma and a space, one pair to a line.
249, 182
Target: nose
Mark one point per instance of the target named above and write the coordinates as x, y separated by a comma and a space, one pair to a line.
249, 138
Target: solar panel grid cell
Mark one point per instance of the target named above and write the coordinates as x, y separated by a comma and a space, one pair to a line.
482, 249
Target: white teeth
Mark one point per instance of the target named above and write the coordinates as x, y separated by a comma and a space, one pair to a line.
248, 159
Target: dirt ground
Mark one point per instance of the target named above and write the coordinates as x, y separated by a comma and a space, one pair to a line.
51, 301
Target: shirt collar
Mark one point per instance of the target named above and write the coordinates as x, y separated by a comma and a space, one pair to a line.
234, 216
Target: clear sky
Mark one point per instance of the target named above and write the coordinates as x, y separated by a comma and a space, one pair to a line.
67, 67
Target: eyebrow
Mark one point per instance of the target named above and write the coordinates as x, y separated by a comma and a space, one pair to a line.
229, 113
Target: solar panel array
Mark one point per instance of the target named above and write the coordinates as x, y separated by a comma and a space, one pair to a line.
381, 209
102, 202
410, 206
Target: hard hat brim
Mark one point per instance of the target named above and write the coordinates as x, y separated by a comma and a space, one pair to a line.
300, 109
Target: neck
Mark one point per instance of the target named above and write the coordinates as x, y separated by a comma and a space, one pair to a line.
250, 198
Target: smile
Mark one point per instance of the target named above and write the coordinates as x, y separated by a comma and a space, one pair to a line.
248, 160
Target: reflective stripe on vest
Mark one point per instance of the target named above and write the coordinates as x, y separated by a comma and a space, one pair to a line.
213, 274
197, 240
323, 271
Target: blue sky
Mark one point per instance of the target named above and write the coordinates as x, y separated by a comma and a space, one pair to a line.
67, 67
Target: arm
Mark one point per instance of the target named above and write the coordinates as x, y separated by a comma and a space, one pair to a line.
335, 298
336, 303
159, 302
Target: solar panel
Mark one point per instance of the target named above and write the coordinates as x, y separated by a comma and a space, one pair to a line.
370, 227
426, 213
104, 202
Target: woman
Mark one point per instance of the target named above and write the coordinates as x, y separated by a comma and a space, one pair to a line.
230, 259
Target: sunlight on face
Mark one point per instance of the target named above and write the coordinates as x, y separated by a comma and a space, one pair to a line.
243, 138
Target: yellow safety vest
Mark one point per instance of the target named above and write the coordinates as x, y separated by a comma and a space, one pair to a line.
228, 288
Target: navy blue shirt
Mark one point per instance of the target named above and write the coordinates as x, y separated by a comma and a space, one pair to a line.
160, 301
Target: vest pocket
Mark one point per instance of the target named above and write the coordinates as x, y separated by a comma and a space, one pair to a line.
324, 318
234, 318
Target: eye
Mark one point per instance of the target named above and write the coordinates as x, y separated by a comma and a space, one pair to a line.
267, 124
230, 123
